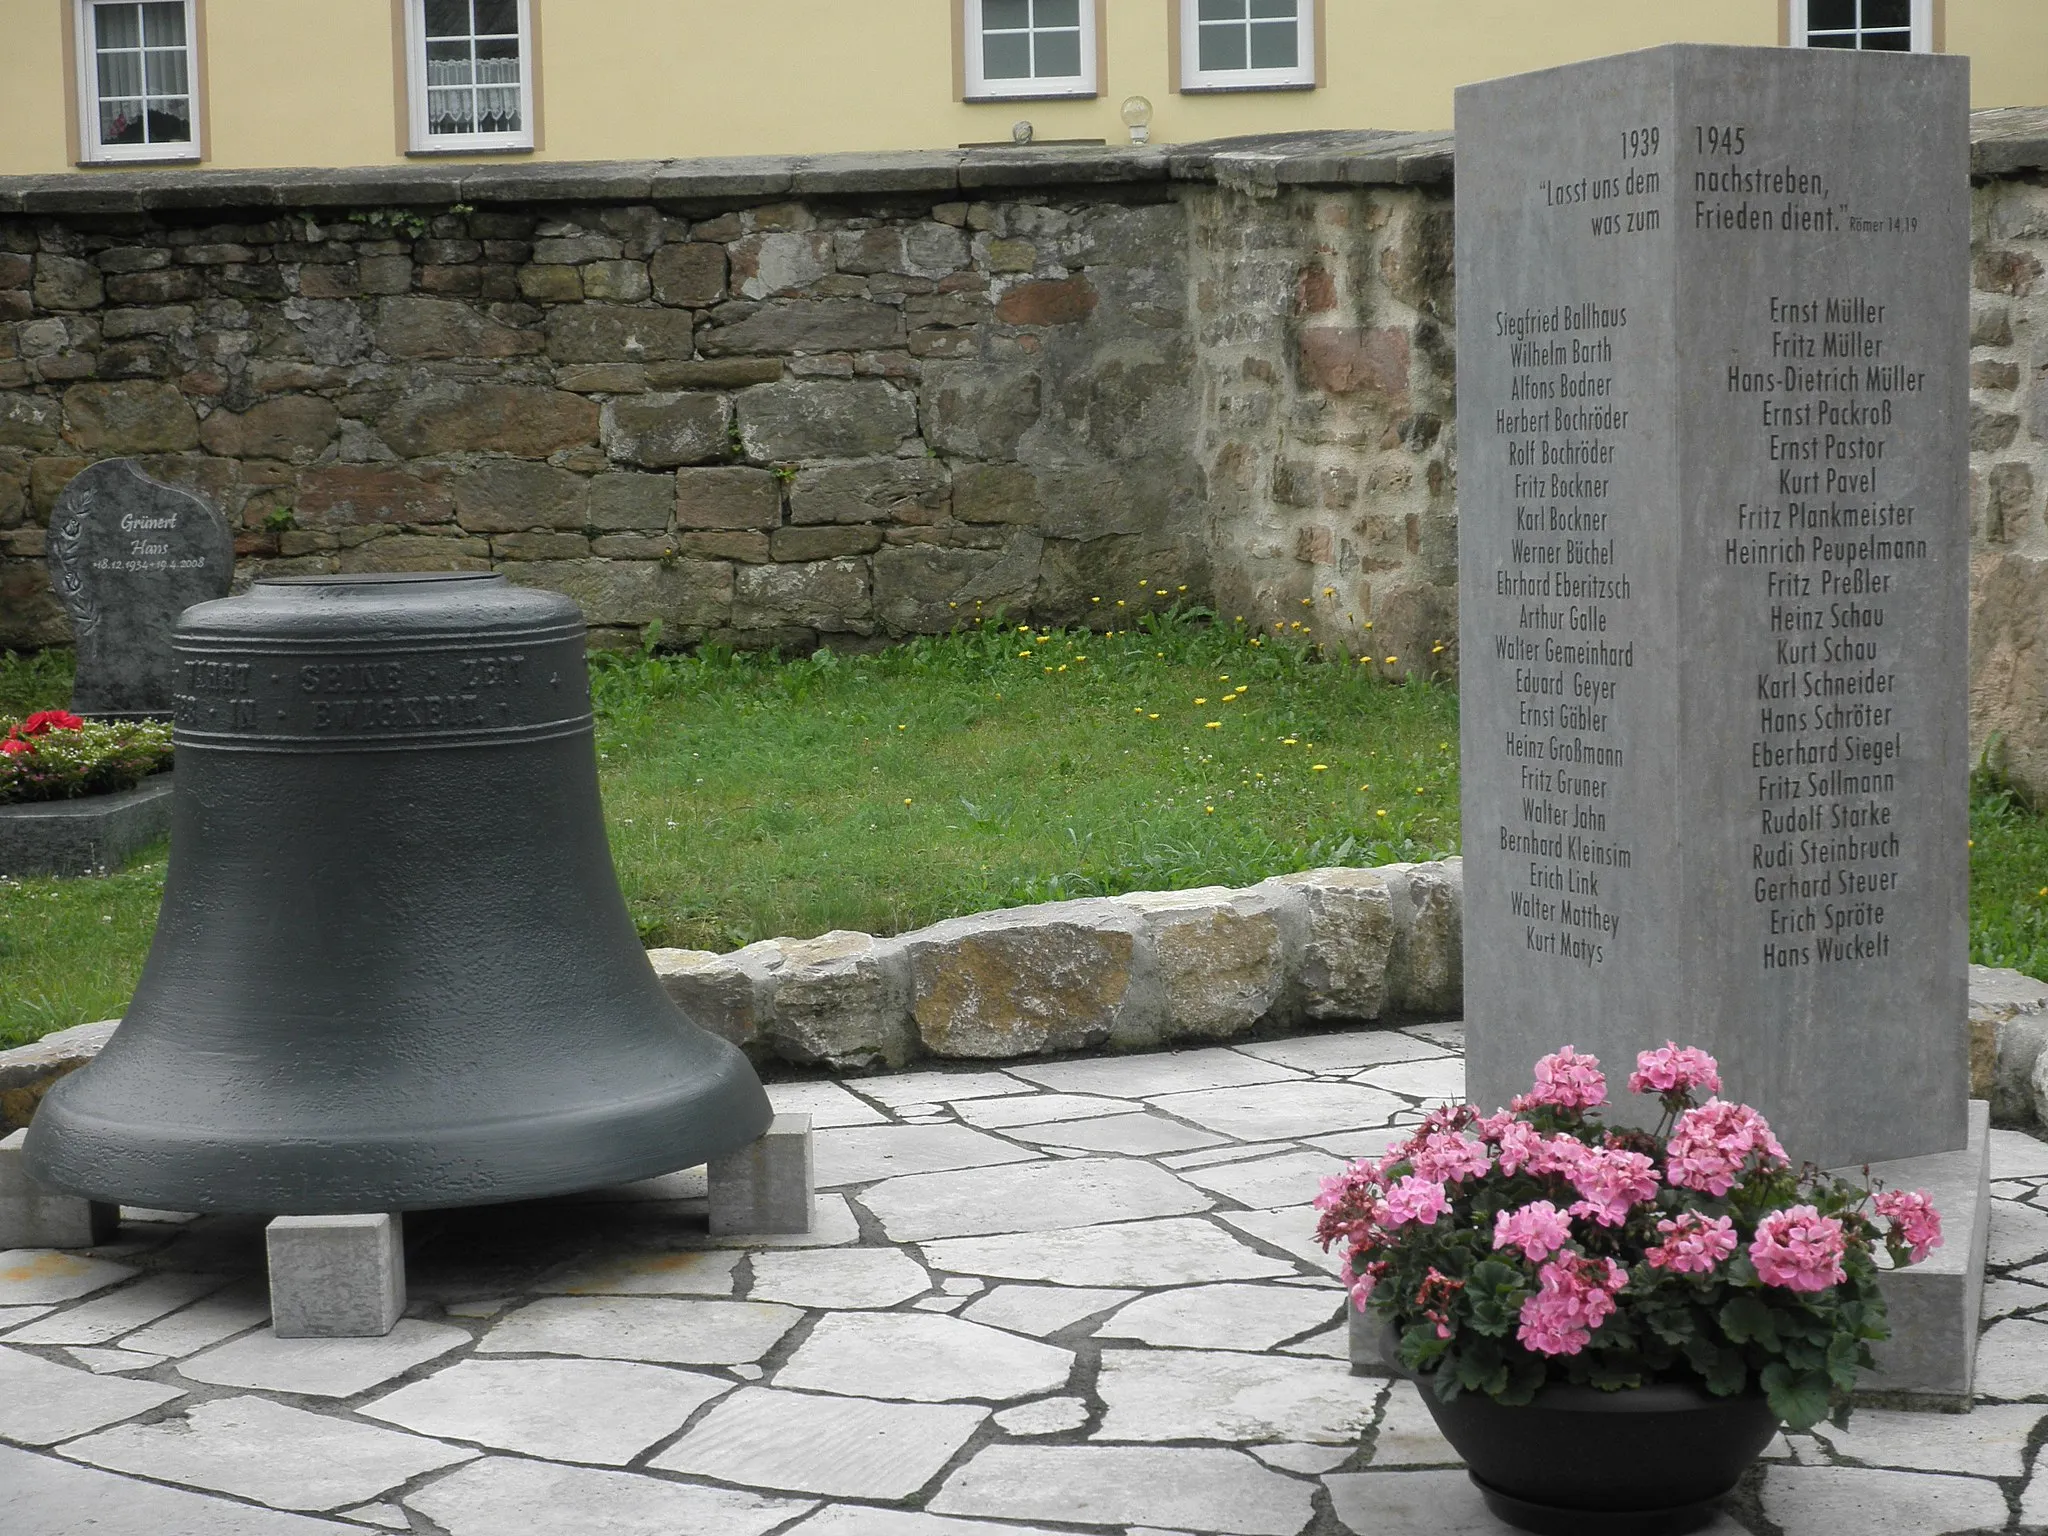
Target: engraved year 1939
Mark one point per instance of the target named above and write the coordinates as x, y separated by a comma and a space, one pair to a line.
1640, 143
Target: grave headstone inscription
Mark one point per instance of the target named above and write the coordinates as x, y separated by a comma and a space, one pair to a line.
127, 555
1713, 539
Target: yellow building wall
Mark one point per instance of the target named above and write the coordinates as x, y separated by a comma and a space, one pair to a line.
317, 82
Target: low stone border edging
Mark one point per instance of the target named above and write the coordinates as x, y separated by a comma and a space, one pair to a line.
1121, 973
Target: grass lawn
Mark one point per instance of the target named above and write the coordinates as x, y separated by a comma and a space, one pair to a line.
748, 797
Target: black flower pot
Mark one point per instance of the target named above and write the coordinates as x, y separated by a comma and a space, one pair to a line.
1644, 1461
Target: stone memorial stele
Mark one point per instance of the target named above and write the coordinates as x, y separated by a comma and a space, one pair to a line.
127, 555
1713, 419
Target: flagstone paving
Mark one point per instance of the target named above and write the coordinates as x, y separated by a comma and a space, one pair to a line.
1061, 1297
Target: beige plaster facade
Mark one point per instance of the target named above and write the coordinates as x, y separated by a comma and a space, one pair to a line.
323, 82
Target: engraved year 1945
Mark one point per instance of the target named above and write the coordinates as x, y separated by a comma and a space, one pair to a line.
1710, 139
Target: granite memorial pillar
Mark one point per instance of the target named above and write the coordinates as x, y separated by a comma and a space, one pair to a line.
1713, 430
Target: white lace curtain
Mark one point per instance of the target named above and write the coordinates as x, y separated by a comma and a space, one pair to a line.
473, 97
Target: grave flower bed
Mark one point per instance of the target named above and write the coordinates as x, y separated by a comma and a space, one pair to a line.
55, 755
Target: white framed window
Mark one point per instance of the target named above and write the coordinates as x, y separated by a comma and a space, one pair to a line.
469, 74
1247, 45
1019, 48
138, 72
1890, 26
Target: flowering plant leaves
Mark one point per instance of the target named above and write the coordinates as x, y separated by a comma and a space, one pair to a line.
54, 755
1537, 1244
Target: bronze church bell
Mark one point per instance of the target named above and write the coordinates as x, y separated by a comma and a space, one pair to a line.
393, 969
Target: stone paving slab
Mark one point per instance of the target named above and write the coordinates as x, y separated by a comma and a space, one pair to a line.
1165, 1358
277, 1455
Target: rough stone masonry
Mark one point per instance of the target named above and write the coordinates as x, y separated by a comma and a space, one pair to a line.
852, 397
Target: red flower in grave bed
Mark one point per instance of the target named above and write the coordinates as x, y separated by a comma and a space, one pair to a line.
13, 746
50, 720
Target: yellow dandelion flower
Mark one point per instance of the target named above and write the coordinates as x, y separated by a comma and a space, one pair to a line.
1255, 639
1151, 717
1436, 650
1364, 789
1160, 593
1119, 602
1329, 591
1063, 666
906, 799
1213, 725
952, 605
1201, 701
1392, 659
1368, 623
1049, 669
1287, 741
1022, 654
1079, 659
1137, 711
902, 727
1319, 768
1180, 589
1094, 599
1308, 602
1379, 813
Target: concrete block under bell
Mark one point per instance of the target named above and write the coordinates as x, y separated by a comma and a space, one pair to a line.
765, 1188
33, 1215
335, 1277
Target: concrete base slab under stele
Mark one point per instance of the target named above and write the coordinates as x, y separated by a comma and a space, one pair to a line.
33, 1215
765, 1188
336, 1277
1931, 1357
89, 836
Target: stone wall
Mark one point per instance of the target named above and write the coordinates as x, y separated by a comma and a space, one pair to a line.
853, 398
776, 403
2009, 452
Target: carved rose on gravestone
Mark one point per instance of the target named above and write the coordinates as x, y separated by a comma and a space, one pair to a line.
127, 555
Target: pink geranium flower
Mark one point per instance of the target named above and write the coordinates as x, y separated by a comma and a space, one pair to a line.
1675, 1068
1568, 1080
1522, 1146
1450, 1158
1915, 1221
1612, 1182
1711, 1147
1799, 1249
1576, 1295
1693, 1244
1538, 1229
1413, 1199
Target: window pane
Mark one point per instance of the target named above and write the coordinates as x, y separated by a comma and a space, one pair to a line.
1833, 40
1059, 55
163, 24
166, 72
1888, 13
1889, 42
120, 74
1005, 15
1056, 13
1830, 15
447, 18
117, 26
169, 121
493, 54
497, 17
1006, 56
450, 112
1222, 47
1274, 10
1220, 10
120, 121
1276, 45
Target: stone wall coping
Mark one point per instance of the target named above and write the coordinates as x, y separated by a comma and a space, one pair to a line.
2004, 141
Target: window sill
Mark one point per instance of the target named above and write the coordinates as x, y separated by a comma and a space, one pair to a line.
1241, 90
986, 99
135, 162
440, 151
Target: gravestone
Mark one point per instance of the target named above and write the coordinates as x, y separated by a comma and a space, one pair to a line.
127, 555
1713, 414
